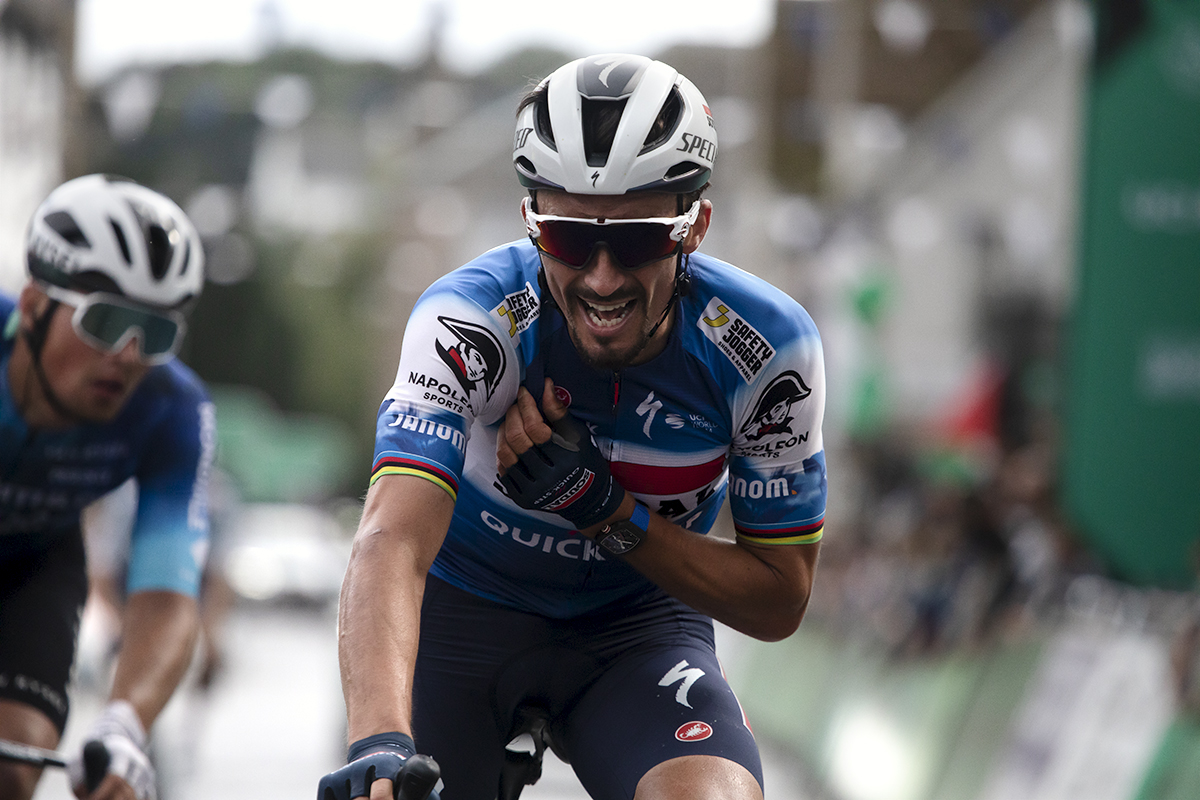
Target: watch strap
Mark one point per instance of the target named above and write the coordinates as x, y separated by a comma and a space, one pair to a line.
641, 516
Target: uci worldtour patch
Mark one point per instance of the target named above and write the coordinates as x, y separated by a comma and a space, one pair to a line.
746, 348
475, 357
518, 310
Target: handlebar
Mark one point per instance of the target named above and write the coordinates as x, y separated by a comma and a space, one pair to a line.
95, 759
418, 777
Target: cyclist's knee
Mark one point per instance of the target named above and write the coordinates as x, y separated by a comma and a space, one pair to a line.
698, 778
17, 781
24, 724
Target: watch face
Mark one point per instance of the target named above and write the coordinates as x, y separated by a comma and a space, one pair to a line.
620, 537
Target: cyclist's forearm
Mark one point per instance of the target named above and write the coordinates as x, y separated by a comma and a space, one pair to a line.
159, 634
403, 525
759, 590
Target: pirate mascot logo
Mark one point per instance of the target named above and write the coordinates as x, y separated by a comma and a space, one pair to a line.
772, 414
475, 358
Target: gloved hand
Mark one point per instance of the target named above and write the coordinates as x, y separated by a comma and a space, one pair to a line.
391, 756
121, 733
566, 476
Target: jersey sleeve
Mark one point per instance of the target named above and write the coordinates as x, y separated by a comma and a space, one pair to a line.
777, 483
169, 544
457, 366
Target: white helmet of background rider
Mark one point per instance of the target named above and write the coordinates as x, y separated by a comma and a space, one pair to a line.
665, 140
137, 238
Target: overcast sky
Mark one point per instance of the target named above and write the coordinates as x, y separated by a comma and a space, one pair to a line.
114, 33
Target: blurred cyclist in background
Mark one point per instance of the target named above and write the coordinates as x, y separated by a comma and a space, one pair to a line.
91, 395
570, 413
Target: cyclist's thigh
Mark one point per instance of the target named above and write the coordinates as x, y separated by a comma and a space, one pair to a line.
464, 642
41, 599
653, 706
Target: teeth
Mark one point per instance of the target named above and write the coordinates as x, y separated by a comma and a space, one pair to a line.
596, 309
600, 307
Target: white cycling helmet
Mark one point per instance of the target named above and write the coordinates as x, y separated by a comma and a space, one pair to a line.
134, 236
665, 140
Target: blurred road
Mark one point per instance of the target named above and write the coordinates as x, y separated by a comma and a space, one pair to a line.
273, 722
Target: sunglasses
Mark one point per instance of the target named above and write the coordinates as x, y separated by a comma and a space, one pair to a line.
634, 243
107, 322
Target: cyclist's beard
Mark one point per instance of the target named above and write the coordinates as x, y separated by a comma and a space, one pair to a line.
605, 359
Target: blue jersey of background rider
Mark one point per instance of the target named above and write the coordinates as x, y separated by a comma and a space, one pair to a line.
164, 437
732, 406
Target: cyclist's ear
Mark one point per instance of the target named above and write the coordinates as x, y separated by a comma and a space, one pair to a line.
31, 304
700, 228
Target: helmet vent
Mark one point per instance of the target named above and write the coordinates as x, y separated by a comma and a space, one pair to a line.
678, 171
600, 120
187, 259
121, 242
526, 166
158, 243
665, 123
65, 226
541, 122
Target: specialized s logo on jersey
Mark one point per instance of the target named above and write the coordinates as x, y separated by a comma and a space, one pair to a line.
518, 310
475, 357
741, 343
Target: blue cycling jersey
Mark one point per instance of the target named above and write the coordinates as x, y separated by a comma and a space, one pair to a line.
164, 437
733, 406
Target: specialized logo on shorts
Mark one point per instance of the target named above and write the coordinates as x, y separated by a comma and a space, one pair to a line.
770, 426
741, 343
688, 676
519, 310
475, 357
696, 731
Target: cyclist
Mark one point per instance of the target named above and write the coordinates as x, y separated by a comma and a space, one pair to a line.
90, 395
569, 415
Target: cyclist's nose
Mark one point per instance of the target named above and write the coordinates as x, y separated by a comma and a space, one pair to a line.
603, 273
131, 353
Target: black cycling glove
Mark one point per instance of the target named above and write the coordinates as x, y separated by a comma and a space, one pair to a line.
384, 755
565, 476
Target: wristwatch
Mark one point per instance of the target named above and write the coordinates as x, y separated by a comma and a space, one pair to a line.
622, 536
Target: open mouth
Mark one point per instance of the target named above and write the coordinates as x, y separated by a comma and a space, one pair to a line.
109, 388
606, 315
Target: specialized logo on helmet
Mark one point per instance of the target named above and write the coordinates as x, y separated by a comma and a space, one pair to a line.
695, 731
475, 357
611, 76
746, 348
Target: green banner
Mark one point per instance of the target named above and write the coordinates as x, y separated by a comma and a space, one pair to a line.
1132, 411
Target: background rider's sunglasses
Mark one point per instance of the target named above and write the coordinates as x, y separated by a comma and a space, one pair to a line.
633, 243
108, 321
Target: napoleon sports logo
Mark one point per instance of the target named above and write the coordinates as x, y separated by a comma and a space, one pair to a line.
474, 357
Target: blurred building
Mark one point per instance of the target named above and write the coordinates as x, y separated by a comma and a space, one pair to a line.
38, 98
926, 155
